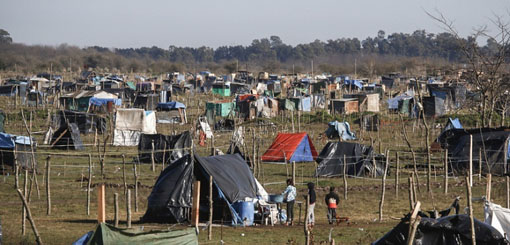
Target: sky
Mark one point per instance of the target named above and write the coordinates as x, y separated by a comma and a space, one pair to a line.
214, 23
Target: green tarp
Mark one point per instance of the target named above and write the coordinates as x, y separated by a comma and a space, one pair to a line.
222, 109
107, 234
221, 91
287, 104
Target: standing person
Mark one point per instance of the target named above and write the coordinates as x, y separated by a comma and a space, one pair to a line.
310, 215
290, 197
332, 202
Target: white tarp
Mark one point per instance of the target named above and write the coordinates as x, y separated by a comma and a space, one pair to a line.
498, 217
130, 123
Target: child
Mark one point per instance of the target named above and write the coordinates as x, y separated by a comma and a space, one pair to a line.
332, 202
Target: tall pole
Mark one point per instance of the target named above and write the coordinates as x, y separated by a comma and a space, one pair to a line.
471, 160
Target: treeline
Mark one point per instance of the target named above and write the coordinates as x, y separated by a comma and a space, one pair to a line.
398, 51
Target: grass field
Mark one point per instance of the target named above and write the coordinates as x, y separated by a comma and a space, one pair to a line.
69, 171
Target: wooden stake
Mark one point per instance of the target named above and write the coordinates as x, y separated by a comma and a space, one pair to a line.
101, 205
294, 172
414, 227
446, 171
89, 182
30, 219
136, 186
412, 219
16, 171
505, 159
306, 228
397, 174
116, 211
209, 230
128, 208
470, 206
124, 173
471, 160
480, 164
411, 195
381, 203
488, 189
152, 158
345, 177
196, 204
24, 211
48, 190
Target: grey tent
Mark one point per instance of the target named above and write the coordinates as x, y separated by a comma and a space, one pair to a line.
360, 160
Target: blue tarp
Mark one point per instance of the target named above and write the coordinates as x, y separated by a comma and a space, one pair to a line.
453, 123
100, 102
171, 105
305, 104
393, 102
340, 129
303, 152
8, 141
357, 83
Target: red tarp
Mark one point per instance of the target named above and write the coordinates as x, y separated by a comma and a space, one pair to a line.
288, 143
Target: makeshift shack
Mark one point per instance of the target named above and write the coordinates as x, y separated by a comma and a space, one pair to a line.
289, 147
222, 89
434, 106
147, 102
171, 198
11, 145
360, 160
489, 141
370, 122
366, 102
67, 137
87, 122
80, 100
338, 129
130, 124
171, 112
109, 234
167, 148
343, 106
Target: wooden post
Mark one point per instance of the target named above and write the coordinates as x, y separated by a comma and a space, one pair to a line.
89, 184
411, 195
294, 172
489, 187
471, 160
128, 208
164, 158
24, 211
30, 219
415, 193
209, 230
306, 228
397, 174
136, 185
480, 164
16, 170
414, 227
101, 205
213, 152
412, 219
505, 164
470, 206
345, 177
446, 171
116, 211
292, 115
95, 138
124, 173
381, 203
196, 204
152, 158
48, 191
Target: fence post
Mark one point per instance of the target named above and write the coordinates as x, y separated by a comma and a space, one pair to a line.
101, 205
209, 230
446, 171
345, 177
116, 211
470, 206
381, 203
128, 207
48, 190
397, 174
89, 184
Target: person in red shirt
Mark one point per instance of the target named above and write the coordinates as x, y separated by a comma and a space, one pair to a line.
332, 202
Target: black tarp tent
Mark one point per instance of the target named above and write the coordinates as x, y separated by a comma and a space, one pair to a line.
67, 137
171, 198
19, 145
87, 122
490, 141
359, 160
167, 148
449, 230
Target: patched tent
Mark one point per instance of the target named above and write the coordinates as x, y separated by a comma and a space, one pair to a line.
167, 148
171, 112
359, 159
108, 234
338, 129
67, 137
11, 145
170, 200
453, 229
290, 147
130, 124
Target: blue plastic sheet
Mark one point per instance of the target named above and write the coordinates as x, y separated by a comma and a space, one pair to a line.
101, 101
171, 105
340, 129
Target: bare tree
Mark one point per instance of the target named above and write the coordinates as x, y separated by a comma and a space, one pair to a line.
486, 65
